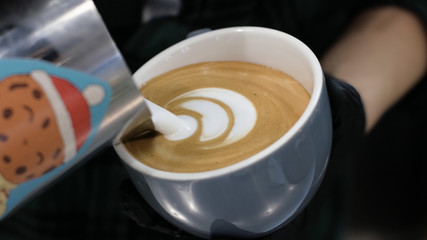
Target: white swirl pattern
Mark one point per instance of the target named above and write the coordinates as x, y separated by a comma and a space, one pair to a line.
215, 119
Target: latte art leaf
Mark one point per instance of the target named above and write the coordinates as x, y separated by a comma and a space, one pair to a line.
221, 112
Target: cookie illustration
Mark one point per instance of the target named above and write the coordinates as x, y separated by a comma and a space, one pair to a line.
44, 121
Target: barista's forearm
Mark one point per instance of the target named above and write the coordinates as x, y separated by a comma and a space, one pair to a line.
383, 54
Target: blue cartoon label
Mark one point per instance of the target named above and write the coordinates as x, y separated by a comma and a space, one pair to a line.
48, 118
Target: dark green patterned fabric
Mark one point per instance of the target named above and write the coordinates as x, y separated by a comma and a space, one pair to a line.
85, 204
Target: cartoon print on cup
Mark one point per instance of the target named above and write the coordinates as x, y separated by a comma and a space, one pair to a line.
44, 122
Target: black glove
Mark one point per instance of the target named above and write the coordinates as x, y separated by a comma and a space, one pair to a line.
138, 210
348, 127
323, 215
348, 116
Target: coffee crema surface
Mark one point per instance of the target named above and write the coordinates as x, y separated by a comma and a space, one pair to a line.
240, 108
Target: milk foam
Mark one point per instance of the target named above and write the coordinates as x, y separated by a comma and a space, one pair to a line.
215, 120
213, 105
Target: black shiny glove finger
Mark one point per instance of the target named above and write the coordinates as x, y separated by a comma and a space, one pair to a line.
348, 116
136, 208
348, 127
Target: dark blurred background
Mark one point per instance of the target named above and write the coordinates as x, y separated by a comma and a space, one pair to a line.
384, 180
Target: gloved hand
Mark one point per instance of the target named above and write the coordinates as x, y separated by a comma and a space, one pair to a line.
348, 127
134, 206
348, 116
323, 215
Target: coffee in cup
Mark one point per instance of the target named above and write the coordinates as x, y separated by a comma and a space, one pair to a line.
240, 107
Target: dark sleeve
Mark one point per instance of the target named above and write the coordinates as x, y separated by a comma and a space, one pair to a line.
417, 7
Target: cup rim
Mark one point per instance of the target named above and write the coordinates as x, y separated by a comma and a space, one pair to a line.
318, 80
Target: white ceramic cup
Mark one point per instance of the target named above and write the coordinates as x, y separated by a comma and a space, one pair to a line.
266, 191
